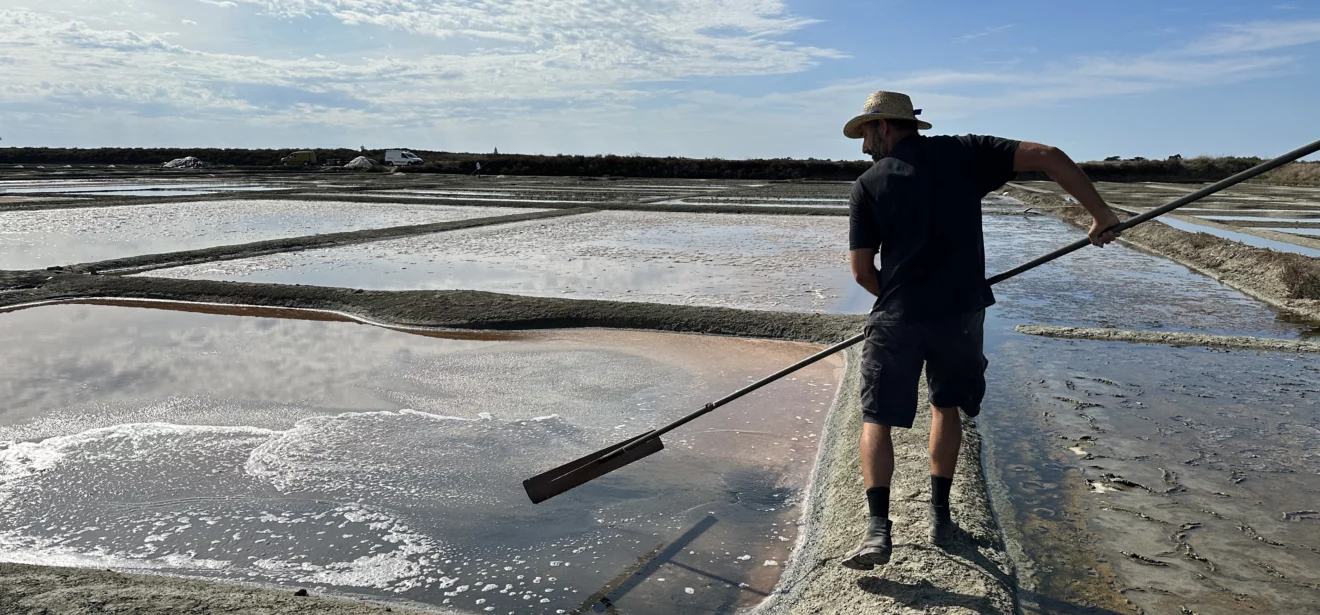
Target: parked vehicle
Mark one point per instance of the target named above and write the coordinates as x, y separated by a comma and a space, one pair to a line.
401, 158
302, 158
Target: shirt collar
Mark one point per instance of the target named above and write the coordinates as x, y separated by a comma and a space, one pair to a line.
906, 148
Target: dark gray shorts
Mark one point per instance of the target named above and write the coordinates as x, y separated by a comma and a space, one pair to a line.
892, 357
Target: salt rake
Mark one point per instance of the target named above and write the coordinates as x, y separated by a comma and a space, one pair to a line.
580, 471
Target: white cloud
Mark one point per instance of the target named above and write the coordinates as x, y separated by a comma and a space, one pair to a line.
1258, 36
587, 74
984, 33
545, 50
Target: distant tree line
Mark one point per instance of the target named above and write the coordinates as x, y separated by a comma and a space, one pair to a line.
1174, 169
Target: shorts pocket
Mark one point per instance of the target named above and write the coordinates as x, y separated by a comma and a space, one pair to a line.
870, 385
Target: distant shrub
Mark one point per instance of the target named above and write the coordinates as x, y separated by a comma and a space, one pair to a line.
608, 165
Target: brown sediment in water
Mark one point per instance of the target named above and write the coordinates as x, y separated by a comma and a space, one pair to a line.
1287, 281
1172, 338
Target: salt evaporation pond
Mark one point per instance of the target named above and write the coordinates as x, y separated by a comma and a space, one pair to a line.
1215, 441
748, 261
374, 462
44, 238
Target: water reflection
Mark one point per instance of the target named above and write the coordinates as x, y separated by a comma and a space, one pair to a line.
379, 462
44, 238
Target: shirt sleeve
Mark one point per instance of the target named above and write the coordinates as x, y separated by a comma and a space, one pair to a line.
863, 228
993, 159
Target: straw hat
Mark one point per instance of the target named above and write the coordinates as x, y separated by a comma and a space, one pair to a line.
884, 105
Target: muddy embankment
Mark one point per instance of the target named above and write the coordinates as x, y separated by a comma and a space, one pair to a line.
1237, 342
45, 590
1289, 282
974, 575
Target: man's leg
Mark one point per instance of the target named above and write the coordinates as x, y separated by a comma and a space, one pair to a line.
877, 451
955, 373
945, 440
891, 366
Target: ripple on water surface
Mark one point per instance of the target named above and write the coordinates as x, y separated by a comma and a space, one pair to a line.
385, 463
1190, 475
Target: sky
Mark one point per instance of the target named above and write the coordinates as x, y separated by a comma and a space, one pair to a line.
697, 78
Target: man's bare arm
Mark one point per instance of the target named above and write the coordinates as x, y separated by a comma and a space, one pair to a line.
863, 269
1053, 162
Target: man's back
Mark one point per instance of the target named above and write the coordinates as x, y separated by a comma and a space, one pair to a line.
920, 206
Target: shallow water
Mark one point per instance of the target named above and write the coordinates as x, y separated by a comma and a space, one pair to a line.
424, 194
748, 261
755, 202
146, 188
258, 449
1251, 240
1256, 219
1296, 231
44, 238
1068, 423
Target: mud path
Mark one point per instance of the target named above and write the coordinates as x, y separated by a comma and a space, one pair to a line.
975, 575
450, 309
1241, 342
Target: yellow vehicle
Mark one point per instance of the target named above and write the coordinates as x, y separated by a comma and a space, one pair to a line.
302, 158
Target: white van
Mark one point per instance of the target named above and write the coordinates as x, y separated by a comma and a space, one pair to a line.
401, 158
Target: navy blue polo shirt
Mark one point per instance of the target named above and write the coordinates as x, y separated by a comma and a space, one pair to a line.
920, 207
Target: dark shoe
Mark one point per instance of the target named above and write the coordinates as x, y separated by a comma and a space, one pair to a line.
942, 527
875, 548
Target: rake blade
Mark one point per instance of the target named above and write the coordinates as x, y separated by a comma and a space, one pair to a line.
549, 484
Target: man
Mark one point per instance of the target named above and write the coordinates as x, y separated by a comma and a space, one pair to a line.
920, 207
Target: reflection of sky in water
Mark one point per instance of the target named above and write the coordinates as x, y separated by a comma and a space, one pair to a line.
37, 239
144, 188
1259, 218
1114, 286
1247, 238
760, 262
375, 461
1297, 231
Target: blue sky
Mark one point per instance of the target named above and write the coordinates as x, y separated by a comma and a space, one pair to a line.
702, 78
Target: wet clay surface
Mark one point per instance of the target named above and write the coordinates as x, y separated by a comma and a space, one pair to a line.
745, 261
1191, 471
255, 449
1052, 403
39, 239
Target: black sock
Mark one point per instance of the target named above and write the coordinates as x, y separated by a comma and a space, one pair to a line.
877, 498
939, 490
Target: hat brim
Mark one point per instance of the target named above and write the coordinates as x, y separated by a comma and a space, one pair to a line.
853, 129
